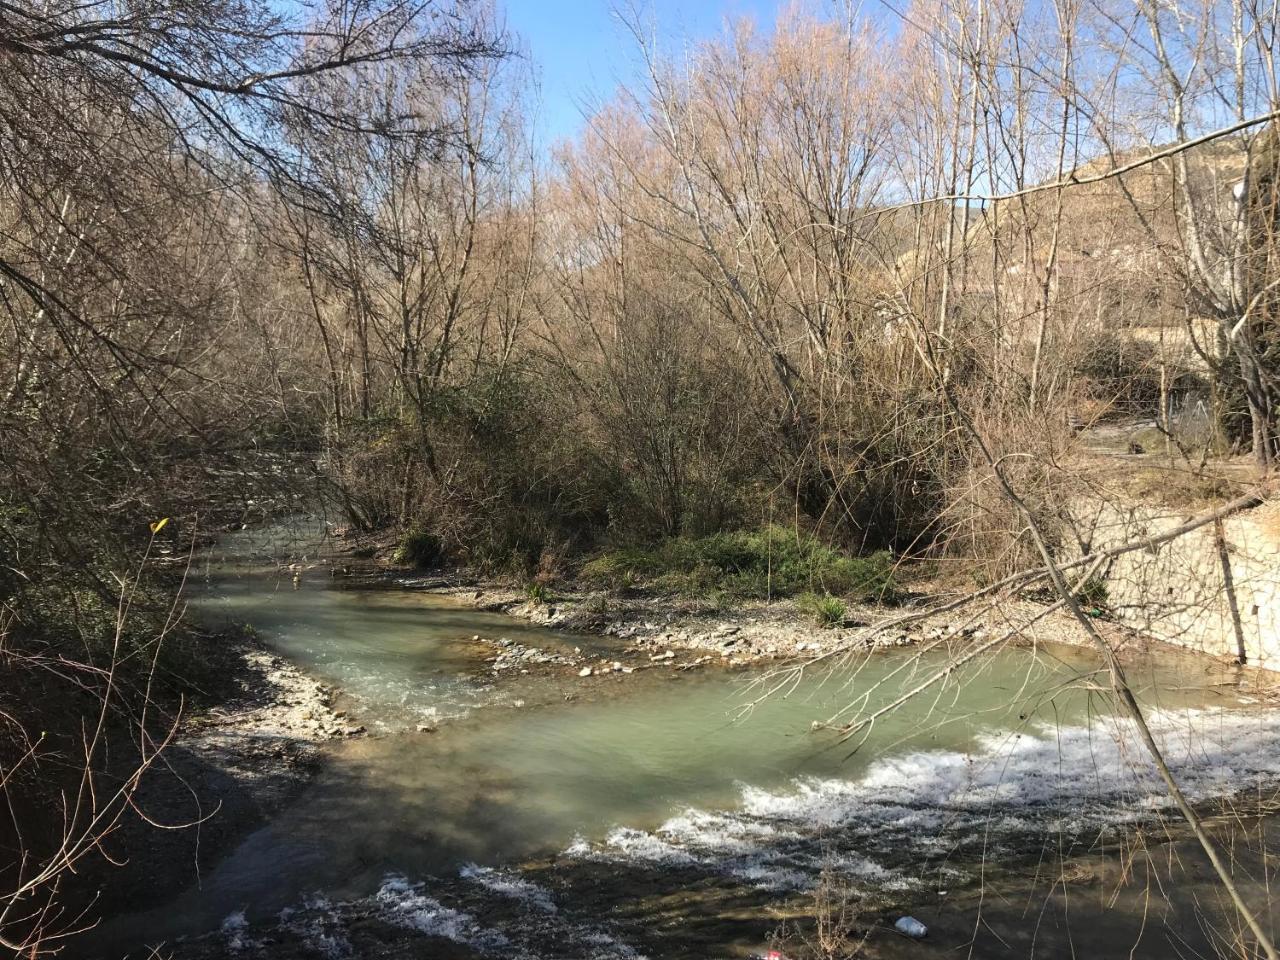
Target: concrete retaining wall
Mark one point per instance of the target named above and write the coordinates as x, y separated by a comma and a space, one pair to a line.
1177, 591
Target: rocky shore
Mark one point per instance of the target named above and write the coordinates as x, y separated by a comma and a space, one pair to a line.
230, 768
679, 633
281, 710
252, 753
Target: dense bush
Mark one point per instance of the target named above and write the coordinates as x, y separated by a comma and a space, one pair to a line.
1124, 370
772, 561
420, 548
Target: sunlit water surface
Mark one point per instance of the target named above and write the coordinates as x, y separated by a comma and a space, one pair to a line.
549, 779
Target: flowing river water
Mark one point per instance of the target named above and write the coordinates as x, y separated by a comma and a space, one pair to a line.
651, 815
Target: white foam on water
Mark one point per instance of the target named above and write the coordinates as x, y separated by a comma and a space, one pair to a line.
713, 831
318, 937
509, 884
548, 924
851, 865
607, 948
757, 853
404, 904
235, 932
1085, 774
641, 845
767, 876
319, 924
1069, 779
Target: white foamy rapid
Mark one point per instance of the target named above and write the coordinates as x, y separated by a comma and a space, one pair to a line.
905, 820
235, 933
509, 884
317, 925
405, 905
537, 929
905, 810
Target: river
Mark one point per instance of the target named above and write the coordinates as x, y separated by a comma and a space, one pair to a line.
548, 816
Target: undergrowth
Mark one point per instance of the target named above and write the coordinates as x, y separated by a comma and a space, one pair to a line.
768, 562
826, 610
419, 548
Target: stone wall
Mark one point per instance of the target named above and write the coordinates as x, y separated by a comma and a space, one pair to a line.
1176, 592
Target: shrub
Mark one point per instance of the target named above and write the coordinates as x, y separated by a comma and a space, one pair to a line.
1125, 370
834, 929
1093, 595
772, 561
826, 610
1122, 369
419, 548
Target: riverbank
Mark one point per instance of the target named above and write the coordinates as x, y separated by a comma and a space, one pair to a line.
591, 738
231, 767
681, 634
923, 612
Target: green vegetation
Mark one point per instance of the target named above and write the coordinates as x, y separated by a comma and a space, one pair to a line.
826, 610
769, 562
419, 548
1094, 596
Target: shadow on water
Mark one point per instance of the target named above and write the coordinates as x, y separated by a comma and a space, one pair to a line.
682, 817
645, 805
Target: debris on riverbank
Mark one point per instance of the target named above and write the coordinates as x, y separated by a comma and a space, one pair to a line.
754, 631
279, 704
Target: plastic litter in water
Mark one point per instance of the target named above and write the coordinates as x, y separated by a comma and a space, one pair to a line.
911, 927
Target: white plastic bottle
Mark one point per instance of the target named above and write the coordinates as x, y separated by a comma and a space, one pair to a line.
911, 927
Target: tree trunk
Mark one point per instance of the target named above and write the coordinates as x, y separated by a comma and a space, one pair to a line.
1261, 406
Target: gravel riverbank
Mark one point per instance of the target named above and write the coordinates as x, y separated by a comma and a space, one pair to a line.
753, 631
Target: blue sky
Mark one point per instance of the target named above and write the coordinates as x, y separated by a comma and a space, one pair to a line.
580, 52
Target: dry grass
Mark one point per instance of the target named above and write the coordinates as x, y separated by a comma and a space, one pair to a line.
835, 931
1266, 519
1178, 487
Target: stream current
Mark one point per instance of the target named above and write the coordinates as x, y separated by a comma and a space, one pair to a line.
652, 815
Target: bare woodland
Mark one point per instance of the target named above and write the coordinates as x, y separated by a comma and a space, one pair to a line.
883, 280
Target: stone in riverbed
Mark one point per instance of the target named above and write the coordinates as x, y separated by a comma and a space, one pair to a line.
584, 672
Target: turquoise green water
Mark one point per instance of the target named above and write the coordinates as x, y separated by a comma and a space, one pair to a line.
404, 657
658, 769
